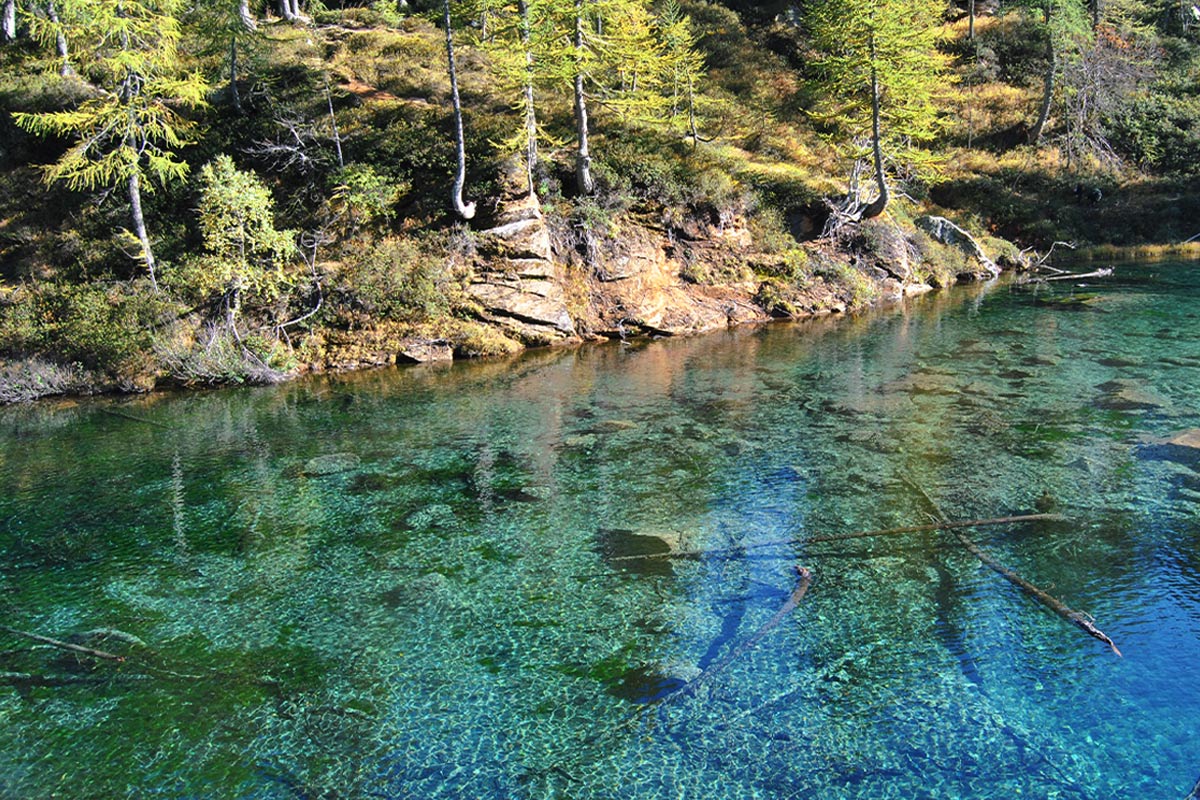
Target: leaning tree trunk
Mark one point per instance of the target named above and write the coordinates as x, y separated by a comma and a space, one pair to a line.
464, 210
876, 206
8, 27
1039, 127
139, 225
531, 149
60, 41
583, 158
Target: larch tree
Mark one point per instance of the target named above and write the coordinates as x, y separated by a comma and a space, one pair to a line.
48, 29
128, 133
879, 72
682, 66
231, 26
1063, 25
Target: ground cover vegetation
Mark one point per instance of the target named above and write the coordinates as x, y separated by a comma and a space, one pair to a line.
218, 191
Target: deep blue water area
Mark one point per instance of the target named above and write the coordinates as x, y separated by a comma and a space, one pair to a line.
448, 581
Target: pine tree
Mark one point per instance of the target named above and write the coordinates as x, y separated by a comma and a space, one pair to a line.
880, 72
127, 134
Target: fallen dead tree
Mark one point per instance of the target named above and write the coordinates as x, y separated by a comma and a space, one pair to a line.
805, 579
1073, 276
1194, 794
841, 537
1077, 618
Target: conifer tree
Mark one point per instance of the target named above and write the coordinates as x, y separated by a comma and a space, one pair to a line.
129, 132
880, 72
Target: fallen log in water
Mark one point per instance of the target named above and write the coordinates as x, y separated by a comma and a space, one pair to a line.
839, 537
1100, 273
1077, 618
788, 607
74, 648
1195, 793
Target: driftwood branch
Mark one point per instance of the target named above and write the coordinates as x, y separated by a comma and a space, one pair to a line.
1067, 276
74, 648
1194, 794
805, 579
840, 537
1077, 618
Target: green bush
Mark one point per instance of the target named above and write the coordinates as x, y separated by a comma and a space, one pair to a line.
398, 279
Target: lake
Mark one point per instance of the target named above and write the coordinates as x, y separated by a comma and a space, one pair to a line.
432, 582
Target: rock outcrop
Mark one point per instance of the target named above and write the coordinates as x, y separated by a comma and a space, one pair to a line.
517, 282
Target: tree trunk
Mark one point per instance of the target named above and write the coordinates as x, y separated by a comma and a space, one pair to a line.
693, 131
60, 41
583, 158
876, 206
1039, 127
531, 150
139, 225
9, 24
971, 20
247, 18
464, 210
285, 10
234, 97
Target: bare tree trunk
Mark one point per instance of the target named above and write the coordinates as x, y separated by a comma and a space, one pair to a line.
464, 210
285, 10
693, 131
1039, 127
583, 159
233, 76
245, 16
876, 206
971, 20
139, 225
60, 41
8, 28
531, 148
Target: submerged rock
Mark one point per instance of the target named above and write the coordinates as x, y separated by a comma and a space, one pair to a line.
1127, 395
330, 464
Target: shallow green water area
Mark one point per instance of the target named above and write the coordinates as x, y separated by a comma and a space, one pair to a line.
408, 583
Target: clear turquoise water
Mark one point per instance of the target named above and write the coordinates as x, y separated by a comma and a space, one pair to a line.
405, 583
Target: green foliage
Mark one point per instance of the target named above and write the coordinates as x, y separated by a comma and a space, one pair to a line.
893, 42
398, 279
367, 195
128, 48
244, 253
99, 327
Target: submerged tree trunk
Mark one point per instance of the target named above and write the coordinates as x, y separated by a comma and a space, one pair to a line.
8, 27
583, 158
60, 41
1039, 127
139, 225
531, 149
464, 210
876, 206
